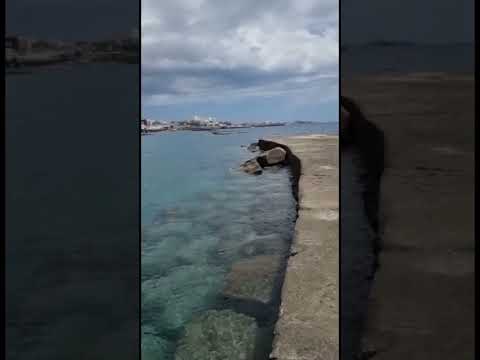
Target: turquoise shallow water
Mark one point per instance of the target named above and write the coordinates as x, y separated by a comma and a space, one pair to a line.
200, 217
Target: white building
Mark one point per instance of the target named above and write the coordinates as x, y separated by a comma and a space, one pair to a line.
204, 121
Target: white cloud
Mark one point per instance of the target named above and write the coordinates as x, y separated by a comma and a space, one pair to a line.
220, 48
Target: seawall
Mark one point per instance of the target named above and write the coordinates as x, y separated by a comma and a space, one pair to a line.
421, 305
362, 163
308, 323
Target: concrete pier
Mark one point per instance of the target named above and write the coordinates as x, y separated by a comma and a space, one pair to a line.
422, 304
308, 324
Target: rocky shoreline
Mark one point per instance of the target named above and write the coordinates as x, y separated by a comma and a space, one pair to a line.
274, 154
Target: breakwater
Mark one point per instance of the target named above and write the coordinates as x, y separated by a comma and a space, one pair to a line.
361, 170
422, 301
307, 325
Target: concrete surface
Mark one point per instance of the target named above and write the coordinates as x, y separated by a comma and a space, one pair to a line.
308, 324
422, 302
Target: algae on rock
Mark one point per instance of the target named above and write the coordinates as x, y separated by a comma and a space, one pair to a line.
253, 279
154, 347
218, 335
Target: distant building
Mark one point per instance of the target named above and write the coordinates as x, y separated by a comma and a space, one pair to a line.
199, 121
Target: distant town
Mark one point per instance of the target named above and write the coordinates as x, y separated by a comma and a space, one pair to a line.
198, 123
23, 51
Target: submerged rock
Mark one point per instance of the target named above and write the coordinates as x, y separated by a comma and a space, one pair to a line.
251, 167
154, 347
272, 157
263, 245
241, 243
253, 279
170, 301
218, 335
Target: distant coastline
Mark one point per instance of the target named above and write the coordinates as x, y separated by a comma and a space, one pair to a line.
210, 125
25, 53
399, 44
185, 126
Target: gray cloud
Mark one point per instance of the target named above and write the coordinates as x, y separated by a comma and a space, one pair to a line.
194, 49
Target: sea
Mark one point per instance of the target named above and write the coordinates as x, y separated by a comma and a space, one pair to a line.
72, 212
200, 217
398, 59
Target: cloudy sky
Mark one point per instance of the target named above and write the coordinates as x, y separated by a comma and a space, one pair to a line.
240, 60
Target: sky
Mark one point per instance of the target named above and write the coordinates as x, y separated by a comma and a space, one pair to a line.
243, 60
249, 60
